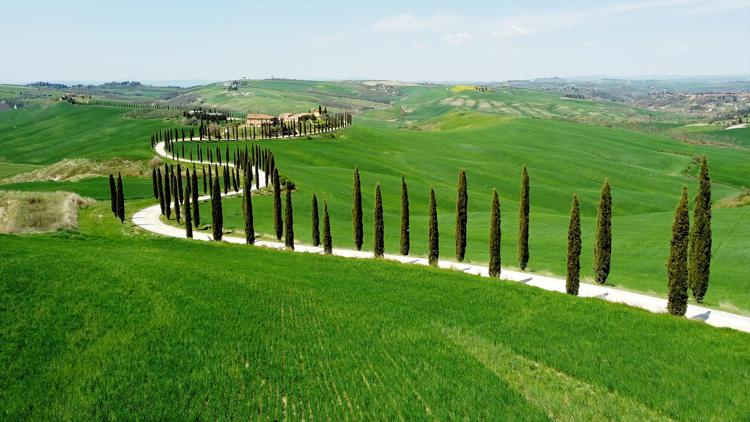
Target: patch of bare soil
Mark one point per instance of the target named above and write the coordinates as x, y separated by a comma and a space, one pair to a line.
31, 212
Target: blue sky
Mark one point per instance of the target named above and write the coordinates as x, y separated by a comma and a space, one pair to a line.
406, 40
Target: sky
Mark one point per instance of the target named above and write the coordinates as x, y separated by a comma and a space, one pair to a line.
435, 40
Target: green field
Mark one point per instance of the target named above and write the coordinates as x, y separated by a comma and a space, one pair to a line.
133, 326
109, 322
646, 173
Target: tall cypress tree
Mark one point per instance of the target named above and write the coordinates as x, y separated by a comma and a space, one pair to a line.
289, 218
357, 210
247, 202
196, 205
278, 224
120, 199
378, 246
327, 240
603, 237
677, 264
433, 231
188, 213
167, 192
205, 188
462, 203
315, 222
113, 194
700, 237
572, 281
523, 221
405, 238
161, 190
176, 189
154, 183
179, 183
495, 236
217, 215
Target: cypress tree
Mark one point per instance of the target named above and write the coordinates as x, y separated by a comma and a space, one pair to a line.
113, 194
247, 202
462, 202
194, 193
176, 198
315, 222
495, 236
167, 192
161, 190
433, 234
205, 188
154, 183
179, 184
405, 240
523, 221
188, 215
572, 281
217, 221
357, 210
677, 265
278, 224
700, 237
603, 237
210, 181
327, 241
378, 246
120, 199
289, 218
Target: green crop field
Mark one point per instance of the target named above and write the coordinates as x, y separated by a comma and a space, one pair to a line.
646, 173
132, 326
109, 322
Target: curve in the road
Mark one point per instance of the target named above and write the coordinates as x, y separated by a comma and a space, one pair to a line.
149, 219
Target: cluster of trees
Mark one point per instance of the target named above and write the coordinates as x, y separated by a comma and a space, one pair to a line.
303, 127
689, 262
208, 115
82, 100
117, 197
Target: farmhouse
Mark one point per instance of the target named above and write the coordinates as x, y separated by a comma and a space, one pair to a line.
257, 119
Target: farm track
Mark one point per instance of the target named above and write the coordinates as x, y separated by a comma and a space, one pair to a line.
149, 219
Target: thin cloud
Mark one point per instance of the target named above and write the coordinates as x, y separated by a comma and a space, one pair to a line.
410, 22
458, 38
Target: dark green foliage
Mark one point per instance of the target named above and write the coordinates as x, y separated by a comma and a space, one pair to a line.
327, 240
378, 246
495, 236
315, 222
357, 210
194, 192
120, 199
205, 188
700, 237
603, 236
433, 231
677, 264
155, 184
247, 208
278, 224
167, 192
113, 194
217, 214
188, 213
161, 190
176, 195
523, 221
289, 218
572, 280
179, 184
462, 203
405, 238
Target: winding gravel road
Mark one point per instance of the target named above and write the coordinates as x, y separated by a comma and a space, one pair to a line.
149, 219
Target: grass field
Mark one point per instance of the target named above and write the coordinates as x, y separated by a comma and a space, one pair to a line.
130, 326
95, 187
646, 172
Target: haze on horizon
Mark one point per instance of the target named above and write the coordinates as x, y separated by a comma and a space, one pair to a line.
415, 41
